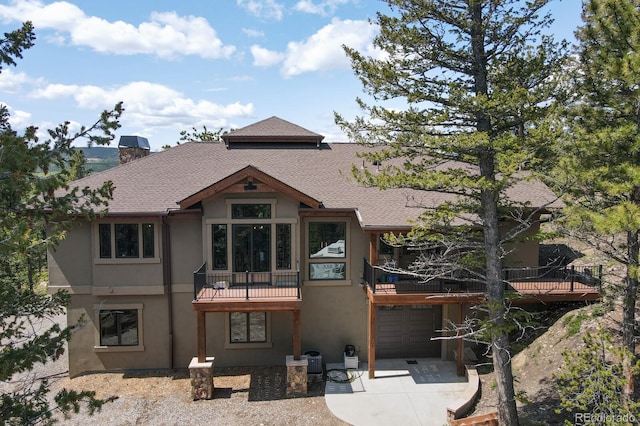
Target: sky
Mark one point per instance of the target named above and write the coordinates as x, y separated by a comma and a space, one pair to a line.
179, 65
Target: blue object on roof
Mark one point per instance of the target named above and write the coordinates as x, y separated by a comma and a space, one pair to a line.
134, 142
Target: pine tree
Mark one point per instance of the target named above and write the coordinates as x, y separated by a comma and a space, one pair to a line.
600, 169
476, 78
33, 199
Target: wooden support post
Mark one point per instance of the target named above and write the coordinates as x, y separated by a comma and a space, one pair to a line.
202, 336
372, 340
373, 256
296, 335
460, 350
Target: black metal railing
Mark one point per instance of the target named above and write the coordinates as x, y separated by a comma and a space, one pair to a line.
248, 284
530, 278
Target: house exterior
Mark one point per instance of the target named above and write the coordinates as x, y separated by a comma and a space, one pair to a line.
256, 249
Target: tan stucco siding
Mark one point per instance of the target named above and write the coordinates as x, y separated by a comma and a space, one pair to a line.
186, 247
83, 355
524, 253
70, 264
185, 334
124, 275
335, 314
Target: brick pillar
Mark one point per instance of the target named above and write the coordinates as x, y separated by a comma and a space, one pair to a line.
201, 374
297, 376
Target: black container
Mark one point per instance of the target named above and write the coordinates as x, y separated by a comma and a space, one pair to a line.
350, 350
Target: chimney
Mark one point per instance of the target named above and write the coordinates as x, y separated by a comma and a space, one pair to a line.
132, 148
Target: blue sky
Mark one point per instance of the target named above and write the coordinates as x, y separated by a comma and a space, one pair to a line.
183, 64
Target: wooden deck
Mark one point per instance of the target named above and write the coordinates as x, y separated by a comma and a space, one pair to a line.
530, 292
241, 299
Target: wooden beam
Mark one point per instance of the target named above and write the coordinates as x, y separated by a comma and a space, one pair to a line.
373, 253
202, 336
341, 212
372, 340
256, 305
460, 357
296, 335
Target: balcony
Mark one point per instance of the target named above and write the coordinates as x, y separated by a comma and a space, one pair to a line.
540, 283
215, 287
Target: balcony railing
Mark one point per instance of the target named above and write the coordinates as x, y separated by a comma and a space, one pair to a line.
245, 285
533, 279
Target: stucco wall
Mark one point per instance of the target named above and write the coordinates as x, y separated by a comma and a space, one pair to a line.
70, 264
84, 357
185, 237
334, 314
524, 253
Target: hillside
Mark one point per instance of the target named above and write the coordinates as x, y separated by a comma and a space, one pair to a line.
100, 158
535, 365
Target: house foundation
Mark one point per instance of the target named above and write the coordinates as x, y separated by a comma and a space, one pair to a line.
297, 375
201, 374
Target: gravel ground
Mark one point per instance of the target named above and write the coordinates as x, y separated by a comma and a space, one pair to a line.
242, 396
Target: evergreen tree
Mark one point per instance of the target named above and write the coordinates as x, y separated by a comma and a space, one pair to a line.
477, 80
591, 381
600, 169
31, 200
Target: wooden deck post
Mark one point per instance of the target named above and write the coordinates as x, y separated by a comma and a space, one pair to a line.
296, 335
373, 257
372, 340
460, 351
202, 336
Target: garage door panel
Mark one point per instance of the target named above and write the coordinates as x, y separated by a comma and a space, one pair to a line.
406, 332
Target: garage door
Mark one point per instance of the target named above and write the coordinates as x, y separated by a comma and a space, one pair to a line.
405, 331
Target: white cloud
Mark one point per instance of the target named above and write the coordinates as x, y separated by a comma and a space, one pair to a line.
147, 104
264, 57
323, 50
12, 82
253, 33
324, 8
17, 119
265, 9
165, 35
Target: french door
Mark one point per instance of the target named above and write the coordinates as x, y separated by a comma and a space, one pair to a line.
251, 248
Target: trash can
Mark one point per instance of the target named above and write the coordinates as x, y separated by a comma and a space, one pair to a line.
315, 362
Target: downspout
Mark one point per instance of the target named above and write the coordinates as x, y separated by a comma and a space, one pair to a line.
166, 272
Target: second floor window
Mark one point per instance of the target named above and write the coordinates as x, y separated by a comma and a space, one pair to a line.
126, 240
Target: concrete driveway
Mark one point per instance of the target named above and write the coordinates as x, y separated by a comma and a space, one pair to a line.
404, 392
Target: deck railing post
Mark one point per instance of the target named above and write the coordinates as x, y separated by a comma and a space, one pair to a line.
372, 277
573, 277
246, 284
298, 282
600, 278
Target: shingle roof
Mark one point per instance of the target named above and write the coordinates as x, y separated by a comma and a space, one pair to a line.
271, 130
156, 183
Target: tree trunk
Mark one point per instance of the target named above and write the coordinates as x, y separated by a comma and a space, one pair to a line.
629, 311
500, 345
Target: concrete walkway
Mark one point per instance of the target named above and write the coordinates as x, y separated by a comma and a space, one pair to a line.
404, 392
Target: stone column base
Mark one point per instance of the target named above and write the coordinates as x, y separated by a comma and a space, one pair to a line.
297, 376
201, 374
